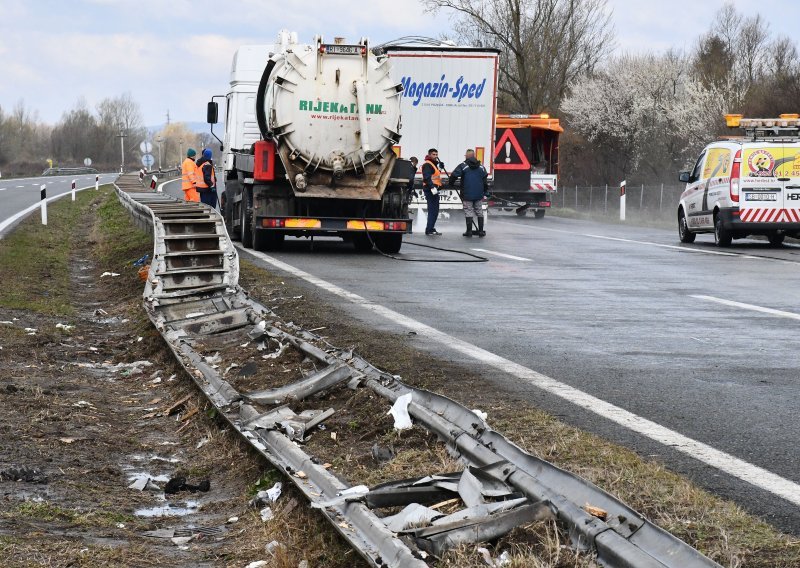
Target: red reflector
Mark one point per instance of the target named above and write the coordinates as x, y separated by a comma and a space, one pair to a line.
264, 167
396, 226
273, 223
736, 213
544, 204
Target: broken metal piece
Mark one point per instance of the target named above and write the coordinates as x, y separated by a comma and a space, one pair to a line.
319, 381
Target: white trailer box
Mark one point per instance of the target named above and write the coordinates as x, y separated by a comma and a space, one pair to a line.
449, 102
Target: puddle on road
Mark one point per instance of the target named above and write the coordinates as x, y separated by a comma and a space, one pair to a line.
169, 510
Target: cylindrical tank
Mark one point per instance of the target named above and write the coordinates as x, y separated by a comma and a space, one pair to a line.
332, 107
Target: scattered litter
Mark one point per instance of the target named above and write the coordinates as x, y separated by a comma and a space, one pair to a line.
333, 436
272, 546
181, 540
413, 515
83, 404
143, 482
25, 474
203, 442
141, 261
112, 274
303, 563
232, 520
178, 484
596, 511
213, 359
276, 354
120, 525
266, 514
503, 560
177, 406
258, 330
257, 564
231, 366
65, 327
300, 474
399, 410
30, 330
381, 454
66, 440
6, 322
243, 345
270, 495
100, 312
481, 414
139, 339
155, 381
168, 510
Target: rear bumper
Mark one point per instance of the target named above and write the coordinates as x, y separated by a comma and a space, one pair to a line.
331, 225
732, 222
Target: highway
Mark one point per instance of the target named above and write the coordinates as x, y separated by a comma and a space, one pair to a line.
685, 353
20, 197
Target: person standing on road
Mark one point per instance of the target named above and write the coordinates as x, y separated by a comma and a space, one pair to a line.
207, 179
189, 176
431, 182
410, 187
474, 188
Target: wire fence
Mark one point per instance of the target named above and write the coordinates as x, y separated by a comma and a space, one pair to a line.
655, 201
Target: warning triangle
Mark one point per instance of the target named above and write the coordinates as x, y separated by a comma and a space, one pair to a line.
506, 160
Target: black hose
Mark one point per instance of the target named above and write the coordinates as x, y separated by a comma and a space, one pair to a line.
261, 94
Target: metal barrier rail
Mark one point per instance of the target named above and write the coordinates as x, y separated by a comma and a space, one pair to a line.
192, 296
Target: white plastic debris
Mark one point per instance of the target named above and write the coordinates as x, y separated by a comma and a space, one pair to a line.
266, 514
112, 274
83, 404
194, 315
274, 492
232, 520
203, 442
277, 353
213, 359
399, 410
6, 322
503, 560
181, 540
272, 546
257, 564
31, 330
120, 525
65, 327
303, 563
481, 414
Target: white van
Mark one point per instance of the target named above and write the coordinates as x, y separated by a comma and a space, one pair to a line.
745, 186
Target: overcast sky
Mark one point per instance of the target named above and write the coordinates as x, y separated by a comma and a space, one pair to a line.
175, 54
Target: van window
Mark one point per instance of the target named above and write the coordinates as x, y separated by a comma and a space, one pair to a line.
696, 171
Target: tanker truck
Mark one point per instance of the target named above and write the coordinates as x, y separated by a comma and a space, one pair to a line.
308, 145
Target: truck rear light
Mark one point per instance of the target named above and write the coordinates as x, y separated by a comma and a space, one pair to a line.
272, 223
365, 225
735, 171
302, 223
264, 167
396, 226
544, 204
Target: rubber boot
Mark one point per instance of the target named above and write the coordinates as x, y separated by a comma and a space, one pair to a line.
469, 228
481, 232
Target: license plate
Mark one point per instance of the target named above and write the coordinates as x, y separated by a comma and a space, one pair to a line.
334, 49
761, 197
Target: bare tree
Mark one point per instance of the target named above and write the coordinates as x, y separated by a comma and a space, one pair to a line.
545, 45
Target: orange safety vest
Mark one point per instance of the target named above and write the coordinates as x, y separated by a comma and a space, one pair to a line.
436, 176
189, 180
201, 178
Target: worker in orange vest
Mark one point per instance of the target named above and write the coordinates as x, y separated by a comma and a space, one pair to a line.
207, 179
189, 176
431, 184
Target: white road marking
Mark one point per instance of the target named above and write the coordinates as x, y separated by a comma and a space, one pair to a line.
2, 188
20, 186
752, 307
17, 216
504, 255
720, 460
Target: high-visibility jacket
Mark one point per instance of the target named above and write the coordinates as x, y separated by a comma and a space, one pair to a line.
189, 180
201, 175
436, 176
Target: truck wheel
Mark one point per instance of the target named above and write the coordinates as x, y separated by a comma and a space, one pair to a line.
722, 235
362, 243
521, 212
246, 228
389, 244
538, 214
776, 239
267, 240
234, 234
685, 235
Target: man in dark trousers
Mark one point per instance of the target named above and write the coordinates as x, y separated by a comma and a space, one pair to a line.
431, 183
207, 179
473, 189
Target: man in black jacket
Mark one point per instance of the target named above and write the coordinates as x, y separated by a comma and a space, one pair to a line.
474, 187
207, 179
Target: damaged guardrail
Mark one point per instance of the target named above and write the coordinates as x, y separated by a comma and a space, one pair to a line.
192, 297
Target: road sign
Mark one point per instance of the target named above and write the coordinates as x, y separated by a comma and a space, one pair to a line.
148, 160
146, 147
508, 154
87, 162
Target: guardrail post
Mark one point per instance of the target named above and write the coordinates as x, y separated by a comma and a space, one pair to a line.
154, 184
73, 190
576, 197
43, 199
591, 190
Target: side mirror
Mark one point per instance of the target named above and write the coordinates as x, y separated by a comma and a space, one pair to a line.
212, 113
685, 177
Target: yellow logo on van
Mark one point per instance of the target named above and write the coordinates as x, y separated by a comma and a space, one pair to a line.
771, 162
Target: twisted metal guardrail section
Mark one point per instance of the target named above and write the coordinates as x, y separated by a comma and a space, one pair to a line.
192, 295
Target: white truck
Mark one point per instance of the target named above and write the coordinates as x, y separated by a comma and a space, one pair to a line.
309, 132
448, 102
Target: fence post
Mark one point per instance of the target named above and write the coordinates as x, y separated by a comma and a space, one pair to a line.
641, 198
43, 199
661, 198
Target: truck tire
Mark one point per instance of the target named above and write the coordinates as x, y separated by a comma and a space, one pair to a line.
246, 227
776, 239
228, 215
521, 212
362, 243
538, 214
684, 234
267, 240
722, 236
389, 244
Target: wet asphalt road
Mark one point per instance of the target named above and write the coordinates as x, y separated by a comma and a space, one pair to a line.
16, 195
610, 310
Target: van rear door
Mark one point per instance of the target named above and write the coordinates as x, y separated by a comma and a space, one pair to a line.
761, 192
